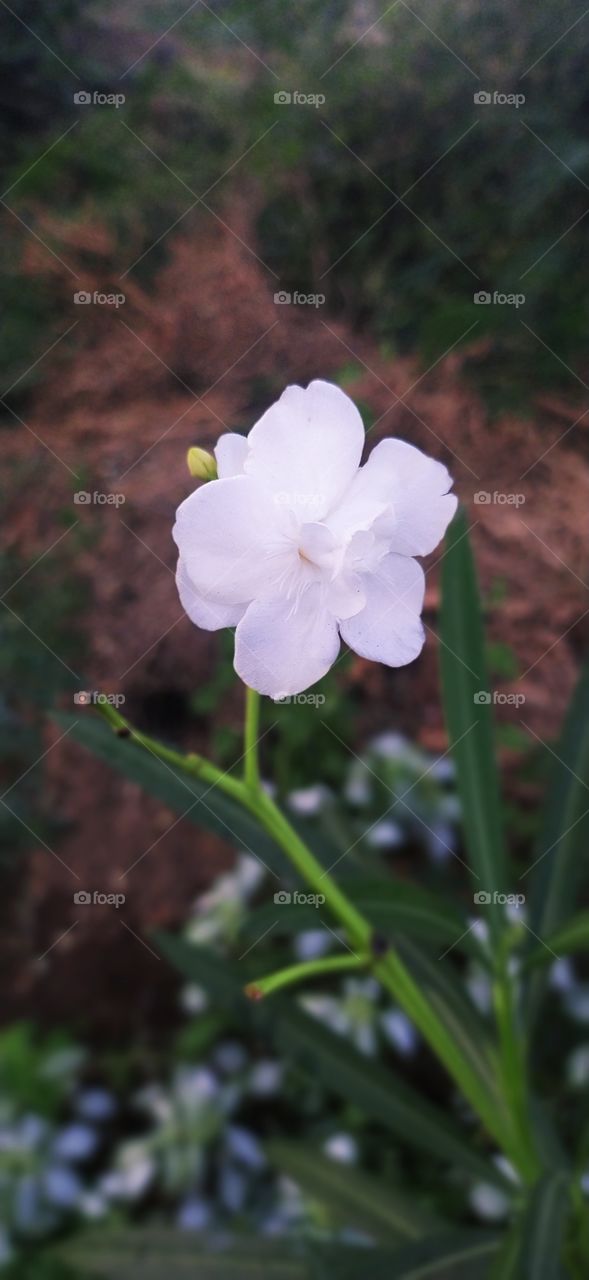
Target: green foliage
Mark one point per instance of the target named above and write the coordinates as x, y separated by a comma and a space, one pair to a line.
381, 1095
469, 718
416, 922
400, 198
35, 1072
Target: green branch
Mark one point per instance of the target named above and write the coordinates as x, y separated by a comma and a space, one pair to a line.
300, 972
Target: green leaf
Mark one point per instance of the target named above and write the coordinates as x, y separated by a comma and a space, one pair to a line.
220, 979
560, 858
440, 983
452, 1256
470, 721
380, 1094
197, 801
507, 1262
165, 1254
351, 1196
573, 936
398, 907
392, 905
544, 1228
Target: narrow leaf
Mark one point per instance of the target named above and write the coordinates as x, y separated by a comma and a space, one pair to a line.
467, 702
380, 1094
199, 802
352, 1197
165, 1254
544, 1228
440, 982
453, 1256
560, 859
392, 905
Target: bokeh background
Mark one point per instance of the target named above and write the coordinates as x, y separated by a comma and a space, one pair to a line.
200, 205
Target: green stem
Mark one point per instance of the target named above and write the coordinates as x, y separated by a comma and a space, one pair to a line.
251, 767
195, 766
513, 1058
390, 970
300, 972
311, 870
396, 978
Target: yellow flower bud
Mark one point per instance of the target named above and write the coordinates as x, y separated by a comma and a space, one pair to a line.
201, 464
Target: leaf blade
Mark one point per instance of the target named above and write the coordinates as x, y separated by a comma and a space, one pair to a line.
556, 872
469, 719
544, 1228
382, 1095
350, 1194
197, 801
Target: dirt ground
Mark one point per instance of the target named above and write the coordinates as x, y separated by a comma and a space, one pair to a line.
120, 401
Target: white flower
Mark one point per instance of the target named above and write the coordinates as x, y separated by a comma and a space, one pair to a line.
342, 1148
296, 544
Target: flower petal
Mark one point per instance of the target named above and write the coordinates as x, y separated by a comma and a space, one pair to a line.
231, 451
208, 614
281, 650
417, 487
345, 595
230, 534
389, 629
306, 448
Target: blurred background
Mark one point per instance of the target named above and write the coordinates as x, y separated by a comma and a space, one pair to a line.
200, 205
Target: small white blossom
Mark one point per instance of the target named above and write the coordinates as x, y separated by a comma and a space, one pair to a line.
308, 801
385, 834
297, 545
342, 1148
489, 1203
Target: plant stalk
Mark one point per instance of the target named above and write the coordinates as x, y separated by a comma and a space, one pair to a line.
389, 969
